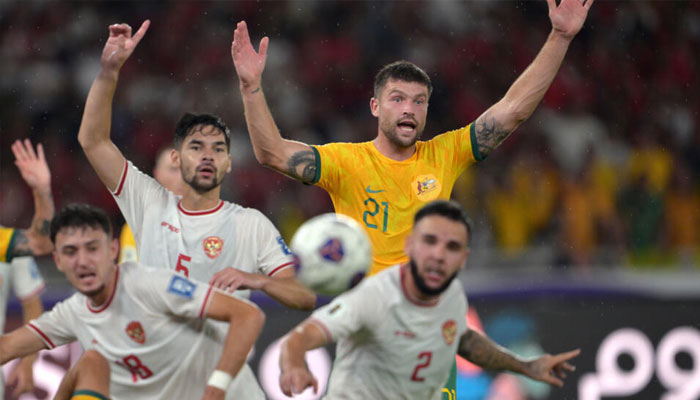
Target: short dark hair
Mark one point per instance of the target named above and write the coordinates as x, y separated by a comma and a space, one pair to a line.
402, 71
80, 215
448, 209
188, 121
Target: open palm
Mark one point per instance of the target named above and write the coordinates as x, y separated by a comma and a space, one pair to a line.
32, 165
121, 44
249, 63
568, 17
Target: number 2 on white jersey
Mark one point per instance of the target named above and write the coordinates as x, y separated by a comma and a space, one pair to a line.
427, 355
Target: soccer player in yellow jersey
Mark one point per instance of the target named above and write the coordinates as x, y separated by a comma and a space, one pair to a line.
35, 171
167, 173
383, 183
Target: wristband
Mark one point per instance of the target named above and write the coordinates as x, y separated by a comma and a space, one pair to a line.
220, 380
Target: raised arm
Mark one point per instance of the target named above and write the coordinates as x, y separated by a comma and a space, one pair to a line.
93, 136
245, 323
292, 158
501, 119
35, 171
483, 352
295, 376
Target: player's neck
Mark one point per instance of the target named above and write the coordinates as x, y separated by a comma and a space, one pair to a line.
99, 299
390, 150
197, 201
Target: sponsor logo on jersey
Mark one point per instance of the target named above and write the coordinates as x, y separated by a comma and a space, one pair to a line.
449, 331
407, 334
368, 190
170, 227
334, 309
427, 187
136, 332
213, 246
181, 287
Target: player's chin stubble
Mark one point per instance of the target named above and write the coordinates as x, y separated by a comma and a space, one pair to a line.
423, 287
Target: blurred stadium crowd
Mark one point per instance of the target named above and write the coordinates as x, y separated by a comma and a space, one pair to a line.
607, 171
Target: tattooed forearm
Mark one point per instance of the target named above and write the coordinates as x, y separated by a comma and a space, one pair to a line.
302, 166
485, 353
20, 245
489, 134
43, 227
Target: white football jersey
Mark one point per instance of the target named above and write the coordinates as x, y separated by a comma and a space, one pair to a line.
200, 243
22, 277
152, 333
390, 346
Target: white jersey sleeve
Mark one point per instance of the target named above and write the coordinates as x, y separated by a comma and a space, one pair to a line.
350, 312
168, 292
26, 279
273, 255
56, 327
134, 191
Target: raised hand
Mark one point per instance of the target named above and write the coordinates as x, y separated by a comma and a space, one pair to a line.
121, 44
249, 63
32, 165
552, 368
568, 17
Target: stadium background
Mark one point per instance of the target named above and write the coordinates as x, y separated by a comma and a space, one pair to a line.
587, 219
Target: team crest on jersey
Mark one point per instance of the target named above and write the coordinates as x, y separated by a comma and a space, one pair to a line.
213, 246
136, 332
449, 331
427, 187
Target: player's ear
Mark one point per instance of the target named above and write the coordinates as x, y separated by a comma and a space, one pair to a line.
230, 162
55, 259
175, 157
408, 244
374, 106
114, 249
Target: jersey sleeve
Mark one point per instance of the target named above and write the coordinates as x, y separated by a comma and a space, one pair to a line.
55, 327
458, 148
134, 192
127, 245
165, 291
350, 312
26, 279
6, 238
273, 254
330, 161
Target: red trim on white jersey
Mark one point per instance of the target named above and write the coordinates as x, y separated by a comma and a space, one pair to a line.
281, 267
409, 296
43, 336
323, 328
198, 213
35, 292
205, 304
122, 179
111, 296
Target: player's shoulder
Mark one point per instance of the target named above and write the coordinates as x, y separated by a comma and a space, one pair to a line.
345, 147
386, 282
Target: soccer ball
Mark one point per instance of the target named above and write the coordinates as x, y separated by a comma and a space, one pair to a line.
332, 253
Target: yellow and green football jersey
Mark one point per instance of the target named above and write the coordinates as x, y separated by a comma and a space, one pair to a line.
384, 194
6, 237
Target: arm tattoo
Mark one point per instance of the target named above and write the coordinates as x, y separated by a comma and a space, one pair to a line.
305, 159
484, 353
489, 134
44, 227
256, 90
20, 245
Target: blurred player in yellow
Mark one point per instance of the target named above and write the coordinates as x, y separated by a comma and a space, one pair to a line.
383, 183
167, 173
35, 171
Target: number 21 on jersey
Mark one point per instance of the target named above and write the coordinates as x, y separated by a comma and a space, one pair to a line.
373, 208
